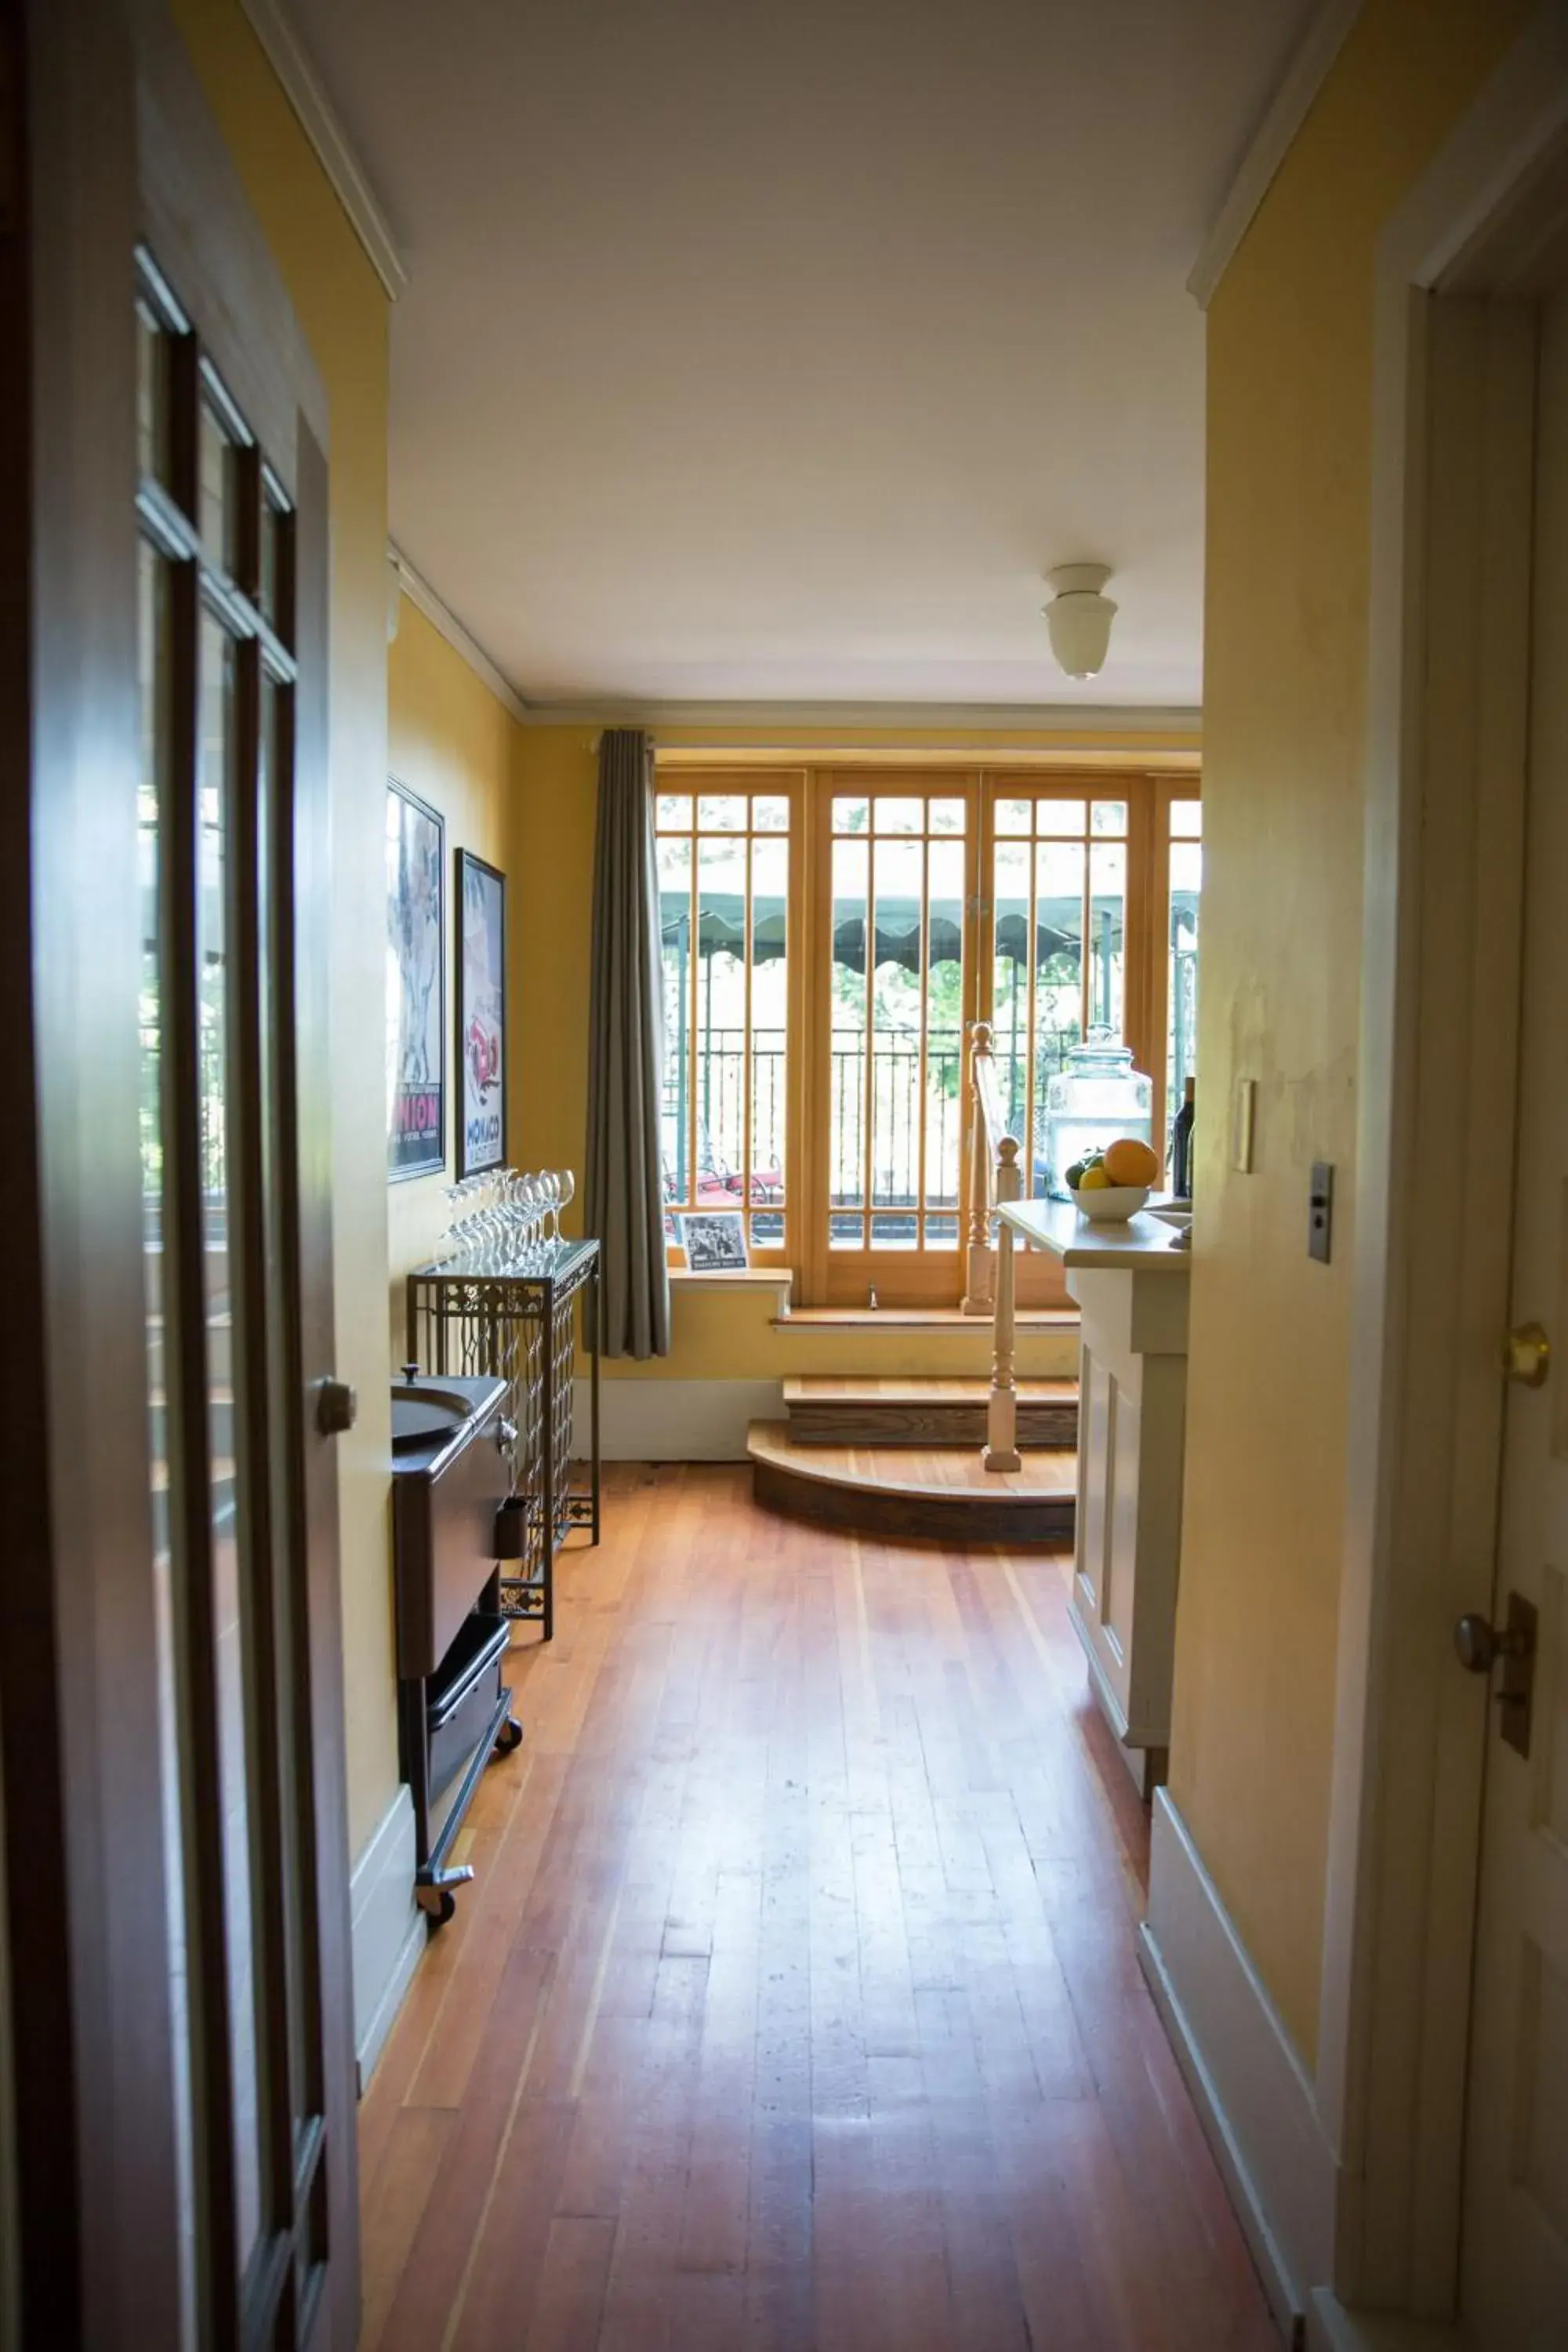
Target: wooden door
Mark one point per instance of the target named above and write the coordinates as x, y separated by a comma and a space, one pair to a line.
170, 1654
1514, 2288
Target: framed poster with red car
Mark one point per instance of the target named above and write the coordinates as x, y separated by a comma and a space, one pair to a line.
481, 1015
415, 993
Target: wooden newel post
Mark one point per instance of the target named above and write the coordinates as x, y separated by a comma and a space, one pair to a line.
978, 1262
1002, 1412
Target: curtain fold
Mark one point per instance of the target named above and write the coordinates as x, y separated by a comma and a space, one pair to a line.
624, 1191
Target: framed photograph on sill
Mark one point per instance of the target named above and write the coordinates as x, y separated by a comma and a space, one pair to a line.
714, 1241
481, 1015
415, 986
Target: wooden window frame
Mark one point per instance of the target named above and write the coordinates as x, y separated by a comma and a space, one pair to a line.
933, 1279
1167, 790
708, 784
831, 1278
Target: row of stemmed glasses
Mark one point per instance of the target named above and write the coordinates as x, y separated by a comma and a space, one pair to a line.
530, 1208
467, 1212
503, 1221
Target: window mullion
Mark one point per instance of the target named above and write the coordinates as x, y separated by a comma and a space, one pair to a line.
869, 1033
689, 1011
923, 1039
1086, 921
747, 1106
1031, 1034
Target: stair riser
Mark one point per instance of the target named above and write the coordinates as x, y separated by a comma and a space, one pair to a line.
1051, 1427
1045, 1521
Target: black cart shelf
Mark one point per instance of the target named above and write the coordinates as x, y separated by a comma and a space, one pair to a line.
519, 1324
450, 1475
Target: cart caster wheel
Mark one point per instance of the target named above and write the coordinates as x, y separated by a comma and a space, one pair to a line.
509, 1738
444, 1909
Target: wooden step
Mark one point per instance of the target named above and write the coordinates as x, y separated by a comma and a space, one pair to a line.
943, 1493
831, 1410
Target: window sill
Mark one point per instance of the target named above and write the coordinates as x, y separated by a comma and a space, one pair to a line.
923, 1318
780, 1279
733, 1278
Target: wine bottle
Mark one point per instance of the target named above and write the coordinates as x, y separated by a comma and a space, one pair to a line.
1182, 1147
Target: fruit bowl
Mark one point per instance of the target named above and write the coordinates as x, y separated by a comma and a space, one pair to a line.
1111, 1205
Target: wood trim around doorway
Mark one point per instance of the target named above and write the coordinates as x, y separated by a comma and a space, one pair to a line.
95, 2209
1447, 715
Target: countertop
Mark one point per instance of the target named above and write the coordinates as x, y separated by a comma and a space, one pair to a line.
1143, 1243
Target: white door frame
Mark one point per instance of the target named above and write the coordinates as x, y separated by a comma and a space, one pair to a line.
1446, 733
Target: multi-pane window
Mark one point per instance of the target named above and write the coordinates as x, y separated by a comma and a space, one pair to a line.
895, 1092
1059, 943
723, 884
827, 939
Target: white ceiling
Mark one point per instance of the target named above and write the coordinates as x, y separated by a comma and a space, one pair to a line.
774, 349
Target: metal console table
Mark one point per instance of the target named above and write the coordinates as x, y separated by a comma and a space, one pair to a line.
471, 1315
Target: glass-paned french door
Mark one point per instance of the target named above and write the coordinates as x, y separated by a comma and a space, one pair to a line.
895, 974
1058, 941
725, 853
218, 673
1184, 884
1090, 923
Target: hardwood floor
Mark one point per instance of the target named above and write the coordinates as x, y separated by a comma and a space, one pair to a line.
795, 2005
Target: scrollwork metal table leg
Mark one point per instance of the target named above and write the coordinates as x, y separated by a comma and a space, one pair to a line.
595, 1340
547, 1467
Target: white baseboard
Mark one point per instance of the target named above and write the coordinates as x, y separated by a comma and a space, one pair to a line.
676, 1421
1331, 2328
388, 1931
1253, 2094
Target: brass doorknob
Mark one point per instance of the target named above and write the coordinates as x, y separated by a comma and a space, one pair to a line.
1527, 1355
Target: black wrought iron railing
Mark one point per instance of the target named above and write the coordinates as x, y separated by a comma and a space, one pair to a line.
709, 1167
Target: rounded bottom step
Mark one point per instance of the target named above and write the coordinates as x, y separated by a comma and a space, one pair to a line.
940, 1496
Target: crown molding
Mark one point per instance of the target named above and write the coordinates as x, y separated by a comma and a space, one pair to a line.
1070, 726
1271, 142
287, 55
442, 618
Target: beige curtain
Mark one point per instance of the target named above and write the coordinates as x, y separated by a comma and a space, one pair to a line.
624, 1194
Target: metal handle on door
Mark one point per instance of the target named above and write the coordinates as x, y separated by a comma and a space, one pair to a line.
1481, 1644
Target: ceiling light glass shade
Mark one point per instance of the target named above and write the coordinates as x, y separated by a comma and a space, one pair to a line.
1078, 617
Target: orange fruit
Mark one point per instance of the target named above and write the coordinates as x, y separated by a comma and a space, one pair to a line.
1128, 1162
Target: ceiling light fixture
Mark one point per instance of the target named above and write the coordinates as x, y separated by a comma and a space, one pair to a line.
1078, 617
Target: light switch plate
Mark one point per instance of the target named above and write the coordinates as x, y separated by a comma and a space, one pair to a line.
1320, 1212
1242, 1105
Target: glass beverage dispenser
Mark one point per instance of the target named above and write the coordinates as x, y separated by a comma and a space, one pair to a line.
1098, 1096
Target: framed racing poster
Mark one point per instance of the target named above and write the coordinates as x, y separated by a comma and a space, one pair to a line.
416, 994
481, 1015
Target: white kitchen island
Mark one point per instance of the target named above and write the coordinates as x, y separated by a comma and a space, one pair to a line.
1130, 1282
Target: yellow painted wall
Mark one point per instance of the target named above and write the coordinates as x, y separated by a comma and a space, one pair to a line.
726, 1333
1289, 414
454, 743
714, 1336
